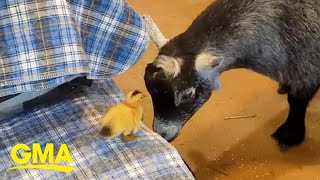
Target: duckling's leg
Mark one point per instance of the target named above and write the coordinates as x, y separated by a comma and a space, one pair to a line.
136, 129
130, 137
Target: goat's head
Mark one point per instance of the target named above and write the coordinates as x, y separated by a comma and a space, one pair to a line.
179, 84
180, 80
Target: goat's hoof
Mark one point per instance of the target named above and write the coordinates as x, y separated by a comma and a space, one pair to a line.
282, 91
289, 135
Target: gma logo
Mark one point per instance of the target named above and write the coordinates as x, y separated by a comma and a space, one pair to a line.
35, 154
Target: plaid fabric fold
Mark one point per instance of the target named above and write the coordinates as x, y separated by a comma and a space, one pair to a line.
44, 43
75, 122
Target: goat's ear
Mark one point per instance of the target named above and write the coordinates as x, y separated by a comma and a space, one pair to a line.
206, 61
183, 96
153, 72
217, 61
160, 74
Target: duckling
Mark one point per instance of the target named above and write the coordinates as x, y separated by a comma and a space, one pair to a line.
124, 118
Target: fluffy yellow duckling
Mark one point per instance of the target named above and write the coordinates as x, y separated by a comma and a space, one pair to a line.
124, 118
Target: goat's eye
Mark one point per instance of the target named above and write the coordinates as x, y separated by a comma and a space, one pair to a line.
186, 99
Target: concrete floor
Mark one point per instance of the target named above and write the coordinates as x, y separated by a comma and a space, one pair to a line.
230, 149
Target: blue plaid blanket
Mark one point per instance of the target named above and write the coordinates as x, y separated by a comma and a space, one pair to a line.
44, 43
76, 123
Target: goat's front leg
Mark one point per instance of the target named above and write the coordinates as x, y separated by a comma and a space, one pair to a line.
292, 132
283, 89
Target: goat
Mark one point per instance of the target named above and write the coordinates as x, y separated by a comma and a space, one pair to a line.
276, 38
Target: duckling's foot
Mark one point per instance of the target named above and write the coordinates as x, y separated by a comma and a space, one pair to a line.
130, 137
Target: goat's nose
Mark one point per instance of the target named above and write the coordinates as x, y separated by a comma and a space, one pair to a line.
168, 133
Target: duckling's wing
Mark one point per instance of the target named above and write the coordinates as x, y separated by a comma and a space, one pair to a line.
115, 113
109, 116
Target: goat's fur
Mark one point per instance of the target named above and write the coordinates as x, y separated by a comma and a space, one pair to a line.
276, 38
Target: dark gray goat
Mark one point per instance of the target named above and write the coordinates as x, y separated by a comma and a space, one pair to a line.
276, 38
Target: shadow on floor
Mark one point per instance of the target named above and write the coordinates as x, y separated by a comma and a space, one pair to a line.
249, 159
